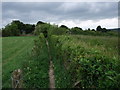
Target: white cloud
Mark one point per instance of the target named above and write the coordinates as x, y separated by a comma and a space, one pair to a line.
105, 23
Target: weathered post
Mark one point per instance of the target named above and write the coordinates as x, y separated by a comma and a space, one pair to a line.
17, 79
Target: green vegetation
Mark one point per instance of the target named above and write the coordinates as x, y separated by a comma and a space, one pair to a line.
15, 50
62, 76
83, 59
86, 60
37, 66
89, 62
17, 28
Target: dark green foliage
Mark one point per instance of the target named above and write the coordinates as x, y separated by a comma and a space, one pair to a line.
104, 30
62, 76
55, 30
88, 29
93, 30
88, 66
11, 30
40, 22
76, 30
63, 26
20, 25
37, 66
28, 28
99, 28
17, 28
42, 28
50, 29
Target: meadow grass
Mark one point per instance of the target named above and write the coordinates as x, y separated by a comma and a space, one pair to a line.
108, 45
14, 51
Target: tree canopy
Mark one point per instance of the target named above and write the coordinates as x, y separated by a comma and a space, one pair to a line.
17, 28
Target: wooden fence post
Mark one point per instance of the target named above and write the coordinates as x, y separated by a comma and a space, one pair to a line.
17, 79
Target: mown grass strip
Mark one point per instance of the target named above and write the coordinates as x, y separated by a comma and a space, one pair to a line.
14, 60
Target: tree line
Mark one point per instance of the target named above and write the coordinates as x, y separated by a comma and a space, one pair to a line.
18, 28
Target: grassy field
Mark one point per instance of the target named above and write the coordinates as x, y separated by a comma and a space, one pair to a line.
14, 51
76, 58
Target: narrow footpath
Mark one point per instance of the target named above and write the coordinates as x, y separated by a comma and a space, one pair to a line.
51, 70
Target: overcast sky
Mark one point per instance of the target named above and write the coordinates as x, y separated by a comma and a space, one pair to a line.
81, 14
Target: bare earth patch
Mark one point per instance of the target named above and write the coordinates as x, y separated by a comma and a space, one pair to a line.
51, 75
51, 70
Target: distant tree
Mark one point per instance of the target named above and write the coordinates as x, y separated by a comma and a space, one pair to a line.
24, 28
88, 29
104, 30
99, 28
11, 30
93, 29
40, 22
76, 30
20, 25
42, 28
63, 26
28, 28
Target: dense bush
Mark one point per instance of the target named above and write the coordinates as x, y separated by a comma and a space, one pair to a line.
89, 67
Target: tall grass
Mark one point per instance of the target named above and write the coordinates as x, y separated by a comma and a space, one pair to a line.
90, 60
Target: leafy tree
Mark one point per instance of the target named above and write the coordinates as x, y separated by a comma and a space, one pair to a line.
76, 30
28, 28
63, 31
104, 30
63, 26
50, 29
40, 22
93, 29
11, 30
42, 28
99, 28
88, 29
19, 28
20, 25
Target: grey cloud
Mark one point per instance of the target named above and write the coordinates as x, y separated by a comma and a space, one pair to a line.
91, 11
31, 12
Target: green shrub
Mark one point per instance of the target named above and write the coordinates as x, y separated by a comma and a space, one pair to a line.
36, 68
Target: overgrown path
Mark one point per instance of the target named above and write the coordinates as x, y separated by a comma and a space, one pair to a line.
51, 70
